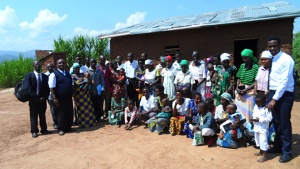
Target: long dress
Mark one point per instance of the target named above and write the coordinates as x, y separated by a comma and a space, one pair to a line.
84, 106
115, 119
169, 75
223, 82
116, 86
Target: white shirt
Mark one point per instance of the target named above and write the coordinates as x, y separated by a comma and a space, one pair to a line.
82, 69
264, 116
182, 78
120, 66
282, 74
130, 68
150, 76
198, 72
219, 113
176, 65
147, 104
182, 109
52, 79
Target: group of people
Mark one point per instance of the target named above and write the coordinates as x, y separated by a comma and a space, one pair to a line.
210, 101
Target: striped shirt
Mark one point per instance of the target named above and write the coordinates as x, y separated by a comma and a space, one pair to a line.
247, 77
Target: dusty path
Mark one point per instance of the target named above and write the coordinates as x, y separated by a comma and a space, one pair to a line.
112, 147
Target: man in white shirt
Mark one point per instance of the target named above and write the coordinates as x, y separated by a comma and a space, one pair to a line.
147, 108
281, 98
82, 67
130, 67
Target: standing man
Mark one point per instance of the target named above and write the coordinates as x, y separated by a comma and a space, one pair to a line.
37, 85
97, 88
119, 62
61, 87
106, 96
82, 67
53, 110
281, 98
130, 67
144, 56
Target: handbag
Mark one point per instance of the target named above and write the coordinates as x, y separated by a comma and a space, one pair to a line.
198, 139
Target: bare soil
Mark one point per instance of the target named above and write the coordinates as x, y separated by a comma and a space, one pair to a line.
105, 146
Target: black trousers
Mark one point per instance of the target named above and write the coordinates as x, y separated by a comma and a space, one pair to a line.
54, 111
65, 114
37, 109
98, 110
131, 90
282, 121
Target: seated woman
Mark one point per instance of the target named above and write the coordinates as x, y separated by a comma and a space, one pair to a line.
205, 123
191, 118
231, 133
115, 115
147, 107
220, 113
180, 109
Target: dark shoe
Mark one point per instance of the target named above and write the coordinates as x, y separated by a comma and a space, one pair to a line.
55, 126
46, 132
34, 135
75, 123
273, 150
285, 158
61, 133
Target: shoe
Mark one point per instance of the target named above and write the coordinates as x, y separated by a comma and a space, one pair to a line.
46, 132
55, 126
286, 158
61, 133
34, 135
274, 150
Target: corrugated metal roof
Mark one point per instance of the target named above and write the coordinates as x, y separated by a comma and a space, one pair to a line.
267, 11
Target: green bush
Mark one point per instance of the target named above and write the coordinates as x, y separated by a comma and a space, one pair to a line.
13, 71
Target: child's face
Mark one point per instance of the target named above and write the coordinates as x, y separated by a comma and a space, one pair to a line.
260, 102
145, 93
130, 105
116, 96
200, 110
197, 99
87, 74
230, 109
122, 71
165, 102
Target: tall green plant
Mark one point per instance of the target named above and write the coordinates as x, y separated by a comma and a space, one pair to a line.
12, 71
296, 49
82, 46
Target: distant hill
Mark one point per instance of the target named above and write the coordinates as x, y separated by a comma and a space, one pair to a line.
10, 55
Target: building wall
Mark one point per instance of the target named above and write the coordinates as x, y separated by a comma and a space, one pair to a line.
208, 41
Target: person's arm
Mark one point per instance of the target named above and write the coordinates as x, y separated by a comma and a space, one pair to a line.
255, 87
174, 108
239, 91
207, 122
175, 82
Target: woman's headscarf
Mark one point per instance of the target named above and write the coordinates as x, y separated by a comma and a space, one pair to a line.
169, 58
162, 59
225, 56
75, 65
226, 96
249, 53
184, 62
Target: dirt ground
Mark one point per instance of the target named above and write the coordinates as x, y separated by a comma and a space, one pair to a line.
105, 146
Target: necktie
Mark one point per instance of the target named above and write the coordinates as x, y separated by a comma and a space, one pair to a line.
38, 84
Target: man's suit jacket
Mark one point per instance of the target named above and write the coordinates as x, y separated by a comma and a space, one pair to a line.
30, 83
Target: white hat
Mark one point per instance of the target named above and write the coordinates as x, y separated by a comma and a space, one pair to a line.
106, 62
266, 55
148, 62
225, 56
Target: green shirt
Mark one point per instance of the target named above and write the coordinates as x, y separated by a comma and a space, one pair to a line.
247, 77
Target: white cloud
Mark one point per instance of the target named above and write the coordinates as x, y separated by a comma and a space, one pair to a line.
44, 20
8, 19
133, 19
136, 18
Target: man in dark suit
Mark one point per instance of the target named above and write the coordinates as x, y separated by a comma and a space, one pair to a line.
37, 85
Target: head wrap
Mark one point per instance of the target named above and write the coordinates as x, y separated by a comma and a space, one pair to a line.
169, 58
226, 96
266, 55
106, 62
75, 65
162, 59
249, 53
225, 56
195, 54
184, 62
209, 60
148, 62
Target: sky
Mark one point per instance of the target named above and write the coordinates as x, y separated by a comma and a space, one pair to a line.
31, 24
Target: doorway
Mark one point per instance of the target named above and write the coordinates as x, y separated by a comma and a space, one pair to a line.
240, 45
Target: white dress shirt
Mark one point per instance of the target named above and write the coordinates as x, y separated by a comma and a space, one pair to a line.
52, 79
282, 74
130, 68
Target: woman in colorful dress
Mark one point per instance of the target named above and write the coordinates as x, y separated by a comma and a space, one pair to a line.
246, 74
221, 78
140, 76
82, 99
180, 108
168, 75
158, 124
115, 115
117, 80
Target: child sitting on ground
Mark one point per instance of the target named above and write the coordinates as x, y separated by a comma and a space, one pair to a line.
116, 113
130, 113
261, 119
205, 123
233, 120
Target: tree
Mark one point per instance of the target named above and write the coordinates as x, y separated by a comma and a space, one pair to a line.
296, 50
81, 46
